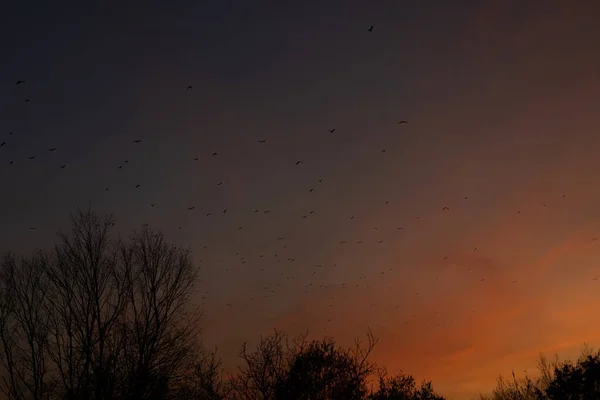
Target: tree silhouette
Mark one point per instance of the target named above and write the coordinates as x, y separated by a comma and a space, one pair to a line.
97, 317
566, 380
23, 326
402, 387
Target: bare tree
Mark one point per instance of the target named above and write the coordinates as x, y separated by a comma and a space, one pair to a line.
23, 327
402, 387
160, 325
206, 381
87, 301
280, 368
263, 368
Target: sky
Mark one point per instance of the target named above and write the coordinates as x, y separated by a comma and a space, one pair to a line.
501, 102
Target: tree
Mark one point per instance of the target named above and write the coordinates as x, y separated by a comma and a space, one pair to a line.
579, 380
23, 326
159, 327
402, 387
98, 317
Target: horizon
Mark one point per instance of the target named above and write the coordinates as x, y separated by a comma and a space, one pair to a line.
468, 246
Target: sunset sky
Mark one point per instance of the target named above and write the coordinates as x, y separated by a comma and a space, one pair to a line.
502, 102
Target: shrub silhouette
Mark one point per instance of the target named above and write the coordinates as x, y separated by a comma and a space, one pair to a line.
566, 380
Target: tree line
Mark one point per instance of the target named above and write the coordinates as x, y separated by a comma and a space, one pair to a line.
101, 317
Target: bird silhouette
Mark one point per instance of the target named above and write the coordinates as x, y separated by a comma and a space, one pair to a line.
32, 158
403, 122
370, 28
191, 208
137, 186
299, 162
332, 130
220, 183
262, 141
189, 87
214, 154
52, 149
2, 144
20, 82
137, 141
445, 208
63, 166
27, 100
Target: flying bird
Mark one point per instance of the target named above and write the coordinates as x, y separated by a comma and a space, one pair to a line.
220, 183
20, 81
214, 154
189, 87
332, 130
27, 100
52, 149
299, 162
32, 158
137, 186
445, 208
137, 141
262, 141
191, 208
403, 122
63, 166
370, 28
2, 144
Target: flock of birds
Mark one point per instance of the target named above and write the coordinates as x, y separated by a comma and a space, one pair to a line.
278, 257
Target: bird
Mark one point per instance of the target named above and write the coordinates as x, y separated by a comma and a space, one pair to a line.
152, 205
189, 87
445, 208
220, 183
20, 81
2, 144
299, 162
32, 158
262, 141
224, 211
137, 141
383, 151
332, 130
208, 214
63, 166
403, 122
137, 186
191, 208
195, 158
52, 149
370, 28
214, 154
27, 100
311, 190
